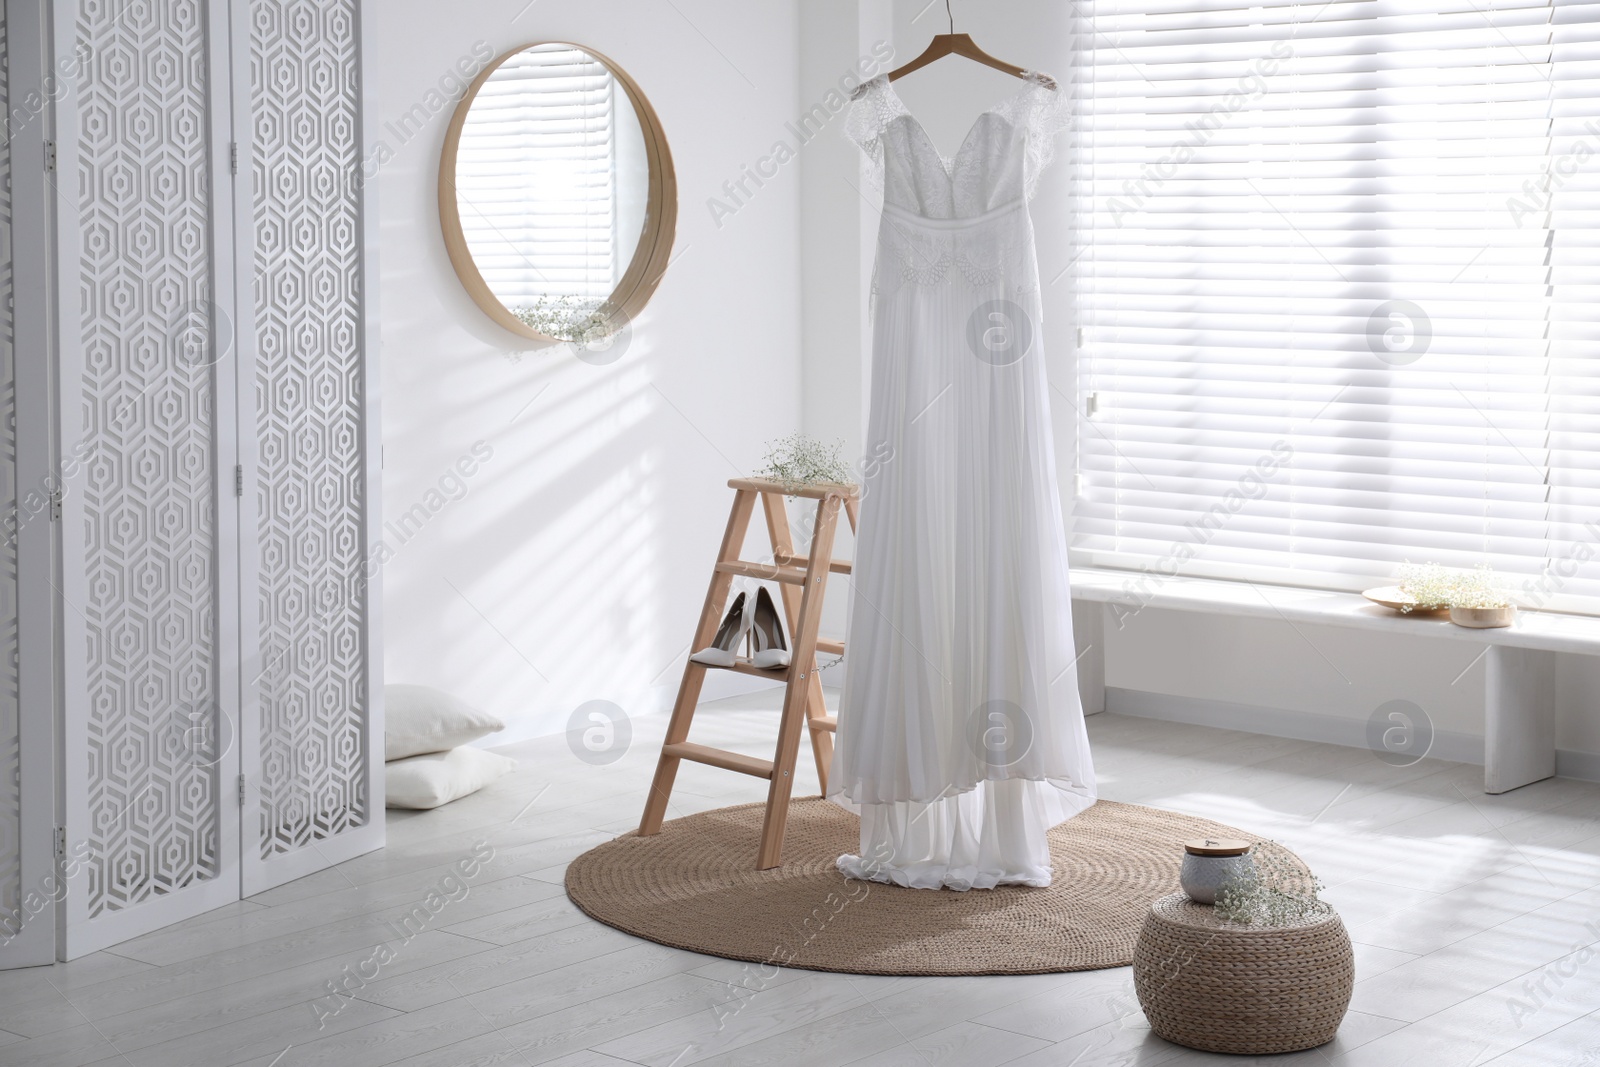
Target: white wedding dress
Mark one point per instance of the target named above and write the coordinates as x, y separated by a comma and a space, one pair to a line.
961, 738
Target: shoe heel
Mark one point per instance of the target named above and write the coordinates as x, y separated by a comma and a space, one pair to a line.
771, 650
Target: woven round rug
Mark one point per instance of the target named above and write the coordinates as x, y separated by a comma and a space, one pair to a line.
694, 886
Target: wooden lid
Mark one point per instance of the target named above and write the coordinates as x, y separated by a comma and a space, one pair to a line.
1216, 846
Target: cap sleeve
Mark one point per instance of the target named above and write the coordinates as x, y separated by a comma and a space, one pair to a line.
1042, 112
872, 108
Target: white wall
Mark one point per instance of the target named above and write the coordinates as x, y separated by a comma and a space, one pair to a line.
576, 561
840, 40
1328, 672
573, 566
1316, 670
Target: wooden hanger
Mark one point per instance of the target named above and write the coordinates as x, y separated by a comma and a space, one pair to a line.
962, 44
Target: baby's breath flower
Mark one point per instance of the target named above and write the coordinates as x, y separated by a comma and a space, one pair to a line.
1276, 890
566, 318
1433, 586
799, 460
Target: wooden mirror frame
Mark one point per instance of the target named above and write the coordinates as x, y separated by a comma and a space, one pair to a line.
650, 258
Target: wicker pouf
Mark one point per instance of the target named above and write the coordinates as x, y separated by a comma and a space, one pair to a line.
1219, 987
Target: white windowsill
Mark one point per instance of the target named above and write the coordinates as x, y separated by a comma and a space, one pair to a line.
1128, 592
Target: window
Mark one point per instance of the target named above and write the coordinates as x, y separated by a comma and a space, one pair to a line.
539, 150
1338, 287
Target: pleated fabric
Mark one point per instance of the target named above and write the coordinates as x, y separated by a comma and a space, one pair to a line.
961, 738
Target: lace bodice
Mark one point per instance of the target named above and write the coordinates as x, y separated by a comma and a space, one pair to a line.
999, 162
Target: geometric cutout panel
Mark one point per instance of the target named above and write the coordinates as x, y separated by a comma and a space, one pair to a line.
148, 432
309, 410
10, 708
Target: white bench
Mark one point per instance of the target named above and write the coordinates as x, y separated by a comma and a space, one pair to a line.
1519, 741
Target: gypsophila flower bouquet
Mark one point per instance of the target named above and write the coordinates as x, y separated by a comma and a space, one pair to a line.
1276, 890
1432, 586
799, 460
566, 318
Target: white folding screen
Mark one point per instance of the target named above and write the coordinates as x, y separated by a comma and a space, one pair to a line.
11, 891
146, 370
27, 882
310, 411
1337, 289
35, 880
215, 439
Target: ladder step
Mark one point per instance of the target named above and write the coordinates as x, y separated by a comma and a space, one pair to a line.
744, 666
719, 757
768, 572
837, 566
829, 723
813, 492
830, 646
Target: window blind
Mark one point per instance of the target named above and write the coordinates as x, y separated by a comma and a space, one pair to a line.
535, 177
1337, 290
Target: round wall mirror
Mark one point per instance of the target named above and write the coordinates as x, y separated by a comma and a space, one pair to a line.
556, 194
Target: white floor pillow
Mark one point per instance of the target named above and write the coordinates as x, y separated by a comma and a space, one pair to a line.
418, 719
424, 782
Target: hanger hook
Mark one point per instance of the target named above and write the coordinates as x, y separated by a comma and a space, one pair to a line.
951, 15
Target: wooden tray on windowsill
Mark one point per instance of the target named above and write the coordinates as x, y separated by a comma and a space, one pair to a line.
1390, 596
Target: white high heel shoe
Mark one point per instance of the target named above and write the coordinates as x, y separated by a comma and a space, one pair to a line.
752, 618
736, 624
769, 650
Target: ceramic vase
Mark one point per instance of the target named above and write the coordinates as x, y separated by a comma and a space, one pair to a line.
1209, 865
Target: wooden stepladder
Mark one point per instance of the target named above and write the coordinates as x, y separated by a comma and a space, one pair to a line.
804, 581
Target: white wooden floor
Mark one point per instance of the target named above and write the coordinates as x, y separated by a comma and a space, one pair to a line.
1476, 919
